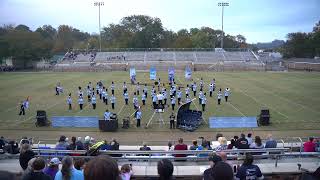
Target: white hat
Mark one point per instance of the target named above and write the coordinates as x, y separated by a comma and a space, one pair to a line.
87, 138
55, 161
79, 138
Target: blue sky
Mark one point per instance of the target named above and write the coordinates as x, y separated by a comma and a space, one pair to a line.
257, 20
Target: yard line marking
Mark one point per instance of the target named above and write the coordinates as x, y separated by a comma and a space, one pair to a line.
286, 99
121, 109
237, 109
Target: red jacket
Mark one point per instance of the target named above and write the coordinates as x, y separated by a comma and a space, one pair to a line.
309, 147
180, 147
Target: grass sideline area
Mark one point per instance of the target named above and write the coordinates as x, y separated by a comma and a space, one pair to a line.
292, 97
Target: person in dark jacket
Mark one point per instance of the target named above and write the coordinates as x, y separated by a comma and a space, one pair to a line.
36, 174
242, 142
26, 154
72, 145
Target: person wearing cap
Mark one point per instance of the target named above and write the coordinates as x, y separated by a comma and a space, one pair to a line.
53, 167
213, 160
226, 94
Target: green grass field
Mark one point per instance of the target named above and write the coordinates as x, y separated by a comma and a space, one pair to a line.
293, 98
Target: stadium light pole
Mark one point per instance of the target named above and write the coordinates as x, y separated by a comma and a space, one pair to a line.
222, 4
99, 4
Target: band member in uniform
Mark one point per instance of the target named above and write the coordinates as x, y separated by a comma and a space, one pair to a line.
89, 93
69, 101
164, 93
80, 93
143, 98
194, 89
113, 101
188, 99
204, 102
138, 88
145, 90
138, 117
107, 115
80, 101
200, 96
22, 110
97, 88
94, 101
201, 83
179, 95
219, 96
124, 87
187, 90
126, 98
112, 88
103, 92
154, 100
226, 94
173, 102
100, 92
211, 89
135, 101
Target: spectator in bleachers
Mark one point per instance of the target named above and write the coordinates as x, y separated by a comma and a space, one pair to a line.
126, 172
87, 143
62, 143
24, 140
165, 169
270, 143
213, 160
72, 145
309, 146
145, 147
218, 135
248, 170
242, 142
101, 167
249, 138
79, 144
105, 146
222, 144
232, 144
257, 144
37, 174
3, 142
170, 147
12, 147
79, 164
194, 145
52, 168
26, 154
180, 146
68, 171
223, 171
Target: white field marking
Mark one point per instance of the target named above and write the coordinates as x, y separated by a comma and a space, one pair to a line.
237, 109
10, 109
260, 103
286, 99
20, 122
85, 107
121, 109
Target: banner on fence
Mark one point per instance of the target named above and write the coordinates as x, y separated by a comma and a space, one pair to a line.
153, 73
171, 74
188, 73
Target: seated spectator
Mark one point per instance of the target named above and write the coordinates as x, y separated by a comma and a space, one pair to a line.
3, 142
26, 154
213, 159
52, 168
242, 142
165, 169
12, 147
68, 171
223, 144
249, 170
270, 143
204, 146
249, 138
194, 145
105, 146
87, 143
101, 167
36, 174
170, 146
79, 164
24, 140
145, 147
126, 172
309, 146
257, 143
6, 175
218, 135
72, 145
62, 144
79, 144
115, 147
180, 146
232, 144
223, 171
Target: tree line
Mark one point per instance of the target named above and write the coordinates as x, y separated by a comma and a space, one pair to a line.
137, 31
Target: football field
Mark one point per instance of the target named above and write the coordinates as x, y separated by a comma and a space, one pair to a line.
292, 97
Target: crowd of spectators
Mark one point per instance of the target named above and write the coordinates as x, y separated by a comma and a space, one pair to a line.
72, 55
7, 68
